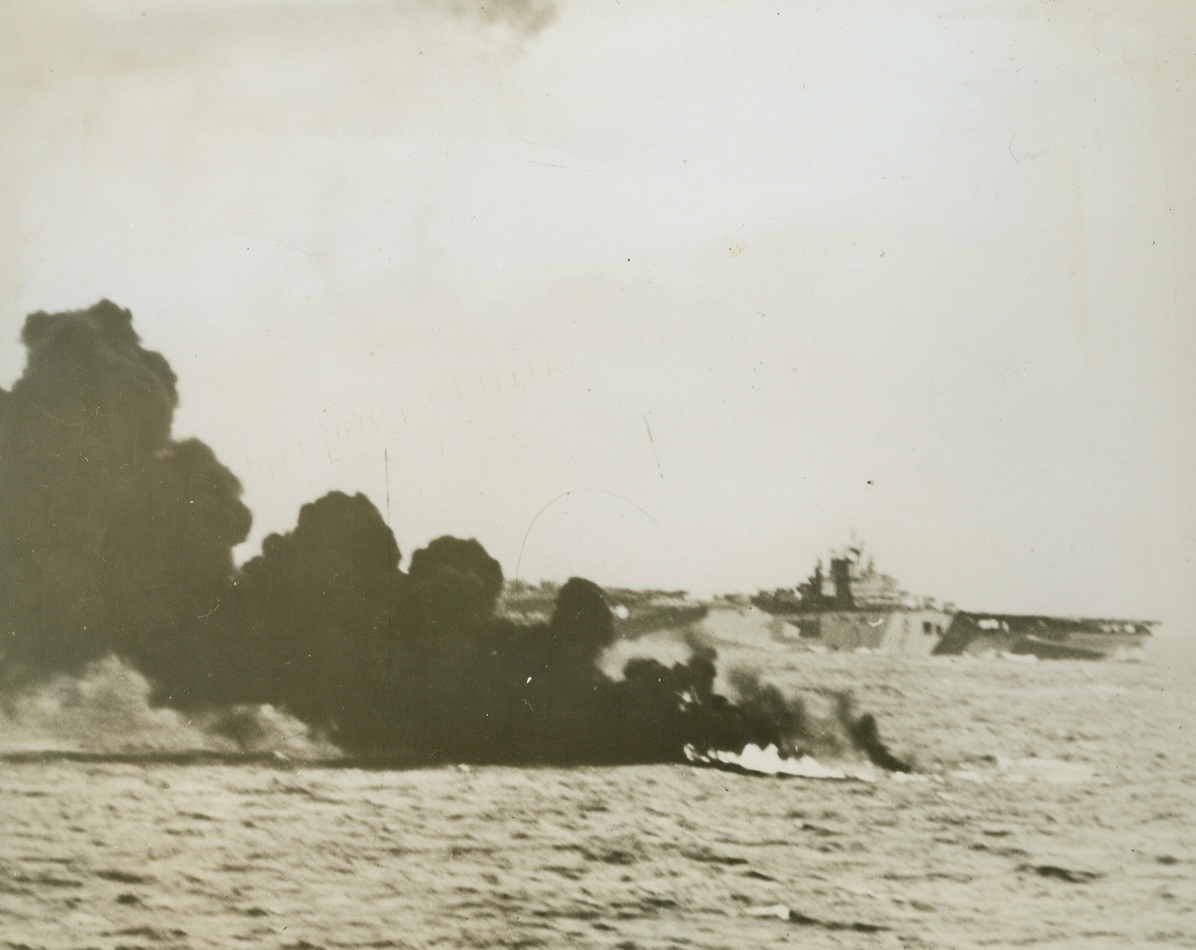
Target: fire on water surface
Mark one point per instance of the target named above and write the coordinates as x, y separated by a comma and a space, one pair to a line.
769, 761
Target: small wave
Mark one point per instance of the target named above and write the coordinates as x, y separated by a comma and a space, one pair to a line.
1032, 769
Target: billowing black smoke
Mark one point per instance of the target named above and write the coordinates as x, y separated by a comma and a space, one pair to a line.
116, 539
113, 537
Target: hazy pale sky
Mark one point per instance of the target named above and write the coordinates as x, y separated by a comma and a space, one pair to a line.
665, 293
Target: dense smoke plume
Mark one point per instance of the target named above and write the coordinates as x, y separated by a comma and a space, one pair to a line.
116, 540
113, 537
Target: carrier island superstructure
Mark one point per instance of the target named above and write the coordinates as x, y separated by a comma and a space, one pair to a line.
853, 606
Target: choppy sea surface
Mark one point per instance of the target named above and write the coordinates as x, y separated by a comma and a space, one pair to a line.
1055, 806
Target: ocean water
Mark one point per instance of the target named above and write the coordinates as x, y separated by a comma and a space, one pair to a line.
1055, 806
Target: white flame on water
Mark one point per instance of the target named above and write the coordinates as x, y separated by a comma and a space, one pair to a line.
769, 761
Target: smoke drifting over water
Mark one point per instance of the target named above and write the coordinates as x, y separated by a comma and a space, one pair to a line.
106, 710
116, 553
